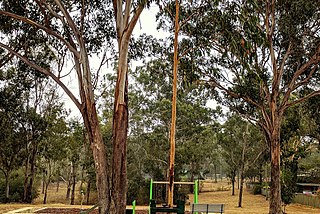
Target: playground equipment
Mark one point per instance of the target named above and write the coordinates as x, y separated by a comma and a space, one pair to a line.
180, 208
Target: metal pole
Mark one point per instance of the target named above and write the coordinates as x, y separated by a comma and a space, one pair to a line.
150, 196
195, 193
151, 184
134, 207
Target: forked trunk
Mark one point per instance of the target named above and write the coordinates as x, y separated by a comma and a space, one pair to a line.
119, 136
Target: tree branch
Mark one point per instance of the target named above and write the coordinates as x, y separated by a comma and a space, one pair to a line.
214, 83
312, 94
315, 59
69, 20
45, 72
37, 25
133, 21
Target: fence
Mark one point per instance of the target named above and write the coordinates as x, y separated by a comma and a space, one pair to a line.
309, 200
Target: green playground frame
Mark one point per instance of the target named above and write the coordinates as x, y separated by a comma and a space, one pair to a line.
195, 188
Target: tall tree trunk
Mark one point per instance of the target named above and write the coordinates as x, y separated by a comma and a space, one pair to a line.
100, 158
238, 179
58, 183
7, 185
46, 191
88, 191
242, 164
74, 173
69, 182
32, 172
241, 189
275, 189
119, 136
215, 173
260, 173
233, 179
124, 27
174, 106
43, 182
26, 178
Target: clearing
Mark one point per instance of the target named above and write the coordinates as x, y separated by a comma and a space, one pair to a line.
252, 204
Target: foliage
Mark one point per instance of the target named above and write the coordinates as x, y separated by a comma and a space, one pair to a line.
16, 188
288, 186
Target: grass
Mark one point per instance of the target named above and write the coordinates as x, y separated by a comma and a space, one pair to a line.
252, 204
212, 193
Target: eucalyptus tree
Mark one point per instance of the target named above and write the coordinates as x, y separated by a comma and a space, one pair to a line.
242, 146
52, 149
261, 55
64, 28
11, 136
27, 125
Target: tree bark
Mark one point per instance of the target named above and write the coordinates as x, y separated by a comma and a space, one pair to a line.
58, 183
32, 172
88, 191
73, 184
241, 190
7, 184
43, 182
124, 27
233, 179
119, 135
46, 192
69, 183
215, 173
275, 189
174, 107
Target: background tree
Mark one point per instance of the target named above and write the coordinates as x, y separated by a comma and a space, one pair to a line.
242, 146
261, 57
52, 30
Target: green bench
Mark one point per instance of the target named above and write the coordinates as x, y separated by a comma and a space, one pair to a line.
179, 209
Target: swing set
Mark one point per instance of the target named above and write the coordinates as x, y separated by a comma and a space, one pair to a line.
180, 208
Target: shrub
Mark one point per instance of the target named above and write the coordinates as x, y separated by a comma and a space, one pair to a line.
16, 188
257, 189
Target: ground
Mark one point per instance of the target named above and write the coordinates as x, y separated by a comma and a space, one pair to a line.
252, 204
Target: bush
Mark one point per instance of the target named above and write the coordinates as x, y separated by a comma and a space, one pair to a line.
257, 189
16, 188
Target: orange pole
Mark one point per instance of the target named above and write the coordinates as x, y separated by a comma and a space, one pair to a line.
174, 108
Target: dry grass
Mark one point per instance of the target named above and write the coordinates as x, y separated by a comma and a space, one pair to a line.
252, 204
54, 199
59, 197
